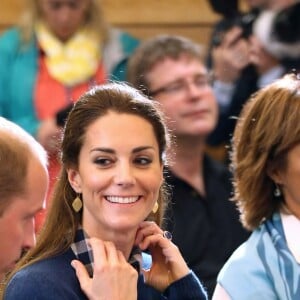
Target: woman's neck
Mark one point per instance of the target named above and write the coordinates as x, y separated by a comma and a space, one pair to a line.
123, 240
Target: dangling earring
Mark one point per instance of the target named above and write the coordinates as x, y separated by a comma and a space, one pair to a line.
155, 207
77, 204
277, 191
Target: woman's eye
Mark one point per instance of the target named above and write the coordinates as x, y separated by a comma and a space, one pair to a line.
143, 161
103, 161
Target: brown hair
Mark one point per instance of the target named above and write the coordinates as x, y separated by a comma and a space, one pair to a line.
16, 149
94, 20
94, 104
154, 50
267, 129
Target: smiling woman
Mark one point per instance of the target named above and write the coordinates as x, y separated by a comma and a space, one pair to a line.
113, 155
119, 174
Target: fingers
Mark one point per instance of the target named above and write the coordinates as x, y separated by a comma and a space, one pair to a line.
167, 235
231, 37
113, 275
97, 247
105, 255
99, 251
150, 235
229, 61
155, 240
81, 273
147, 228
166, 258
168, 264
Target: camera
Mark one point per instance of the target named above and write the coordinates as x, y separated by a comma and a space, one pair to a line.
244, 21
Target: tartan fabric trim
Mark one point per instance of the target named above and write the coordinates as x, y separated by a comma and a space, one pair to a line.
84, 253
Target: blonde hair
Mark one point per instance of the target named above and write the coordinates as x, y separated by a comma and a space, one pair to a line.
94, 20
267, 129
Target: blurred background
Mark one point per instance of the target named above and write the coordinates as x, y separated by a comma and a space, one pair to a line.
191, 18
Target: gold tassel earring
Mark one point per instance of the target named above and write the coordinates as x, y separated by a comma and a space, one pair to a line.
77, 204
155, 207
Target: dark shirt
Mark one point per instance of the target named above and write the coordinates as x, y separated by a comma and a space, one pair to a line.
245, 86
206, 229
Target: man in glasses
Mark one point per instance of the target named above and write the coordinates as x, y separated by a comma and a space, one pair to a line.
204, 223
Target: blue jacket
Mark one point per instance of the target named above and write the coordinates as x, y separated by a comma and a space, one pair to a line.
19, 67
54, 278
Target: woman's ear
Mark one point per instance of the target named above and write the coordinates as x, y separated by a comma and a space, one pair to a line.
74, 179
274, 173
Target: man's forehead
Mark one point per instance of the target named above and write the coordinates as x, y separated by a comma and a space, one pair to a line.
183, 63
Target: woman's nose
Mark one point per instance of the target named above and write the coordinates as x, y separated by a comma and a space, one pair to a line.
124, 175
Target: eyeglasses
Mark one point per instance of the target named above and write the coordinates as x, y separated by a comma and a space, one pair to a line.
200, 81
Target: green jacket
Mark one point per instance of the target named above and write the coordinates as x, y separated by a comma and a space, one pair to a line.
19, 66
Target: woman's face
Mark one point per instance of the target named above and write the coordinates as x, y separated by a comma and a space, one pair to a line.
119, 173
289, 180
64, 17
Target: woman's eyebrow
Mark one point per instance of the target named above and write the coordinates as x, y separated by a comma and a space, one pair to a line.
103, 149
112, 151
138, 149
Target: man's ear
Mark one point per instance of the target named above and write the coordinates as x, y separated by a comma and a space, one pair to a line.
75, 180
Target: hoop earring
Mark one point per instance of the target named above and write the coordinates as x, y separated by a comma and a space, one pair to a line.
155, 208
77, 204
277, 191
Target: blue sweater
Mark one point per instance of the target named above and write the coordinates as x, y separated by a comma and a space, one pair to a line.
54, 278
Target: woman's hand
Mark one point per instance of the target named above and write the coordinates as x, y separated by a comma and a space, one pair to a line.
167, 263
113, 278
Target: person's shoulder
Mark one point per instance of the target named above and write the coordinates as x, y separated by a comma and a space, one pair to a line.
127, 41
243, 270
31, 280
10, 37
46, 268
10, 41
240, 257
41, 276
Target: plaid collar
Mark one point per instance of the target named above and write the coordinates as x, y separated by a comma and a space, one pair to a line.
84, 253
